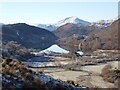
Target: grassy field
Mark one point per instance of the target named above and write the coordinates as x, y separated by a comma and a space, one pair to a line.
88, 76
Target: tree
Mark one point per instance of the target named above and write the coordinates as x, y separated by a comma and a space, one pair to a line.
18, 51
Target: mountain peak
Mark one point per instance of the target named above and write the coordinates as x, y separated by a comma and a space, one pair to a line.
72, 19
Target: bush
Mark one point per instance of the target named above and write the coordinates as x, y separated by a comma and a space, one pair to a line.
17, 51
28, 75
38, 81
70, 82
21, 67
106, 70
109, 74
8, 60
8, 71
59, 87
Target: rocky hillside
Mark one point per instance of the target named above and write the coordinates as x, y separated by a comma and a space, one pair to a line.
70, 43
18, 76
106, 39
78, 29
70, 35
28, 36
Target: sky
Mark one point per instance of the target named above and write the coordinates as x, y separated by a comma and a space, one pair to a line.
51, 12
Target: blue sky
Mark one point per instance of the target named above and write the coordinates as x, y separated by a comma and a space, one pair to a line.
51, 12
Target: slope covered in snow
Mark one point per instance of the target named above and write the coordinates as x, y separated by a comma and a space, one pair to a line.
55, 48
104, 23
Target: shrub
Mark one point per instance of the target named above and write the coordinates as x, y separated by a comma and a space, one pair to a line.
110, 75
28, 75
22, 67
59, 87
17, 51
106, 70
7, 71
8, 60
16, 63
11, 63
70, 82
38, 81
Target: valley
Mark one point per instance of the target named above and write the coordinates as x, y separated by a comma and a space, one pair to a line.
86, 75
77, 54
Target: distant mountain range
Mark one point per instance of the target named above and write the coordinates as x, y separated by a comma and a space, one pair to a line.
76, 20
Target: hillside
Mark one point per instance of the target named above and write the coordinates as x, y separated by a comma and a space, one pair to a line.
18, 76
106, 39
28, 36
78, 29
87, 38
70, 43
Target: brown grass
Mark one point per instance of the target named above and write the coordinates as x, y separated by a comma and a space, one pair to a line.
27, 75
22, 67
40, 71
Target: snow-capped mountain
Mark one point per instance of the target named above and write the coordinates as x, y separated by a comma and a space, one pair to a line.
74, 20
104, 23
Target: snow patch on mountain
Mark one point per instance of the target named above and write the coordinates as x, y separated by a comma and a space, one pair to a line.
76, 20
49, 27
73, 20
104, 23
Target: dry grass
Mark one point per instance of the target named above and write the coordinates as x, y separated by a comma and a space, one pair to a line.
6, 71
22, 67
40, 71
12, 63
27, 75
